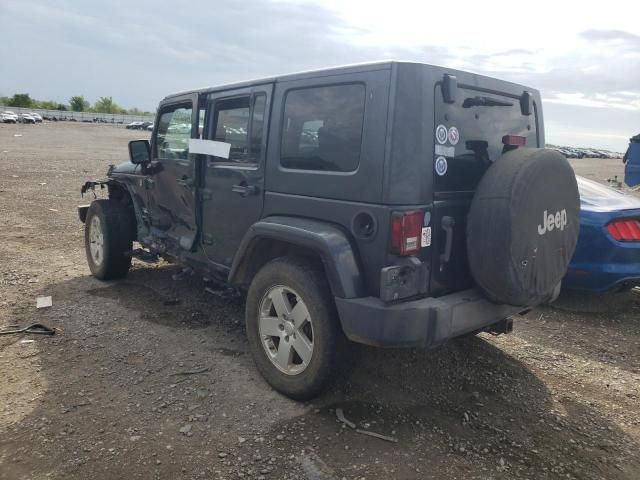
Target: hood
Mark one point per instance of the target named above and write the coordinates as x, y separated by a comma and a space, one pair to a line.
599, 198
123, 168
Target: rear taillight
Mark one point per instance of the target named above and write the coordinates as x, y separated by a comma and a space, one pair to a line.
625, 230
514, 140
406, 230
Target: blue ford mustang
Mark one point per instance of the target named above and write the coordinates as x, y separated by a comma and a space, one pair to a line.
607, 256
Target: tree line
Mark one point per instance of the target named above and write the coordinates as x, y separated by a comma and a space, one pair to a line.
77, 103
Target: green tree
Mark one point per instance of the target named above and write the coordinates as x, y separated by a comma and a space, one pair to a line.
21, 100
46, 104
78, 103
106, 105
62, 107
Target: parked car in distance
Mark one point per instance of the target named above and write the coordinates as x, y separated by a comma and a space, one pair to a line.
394, 204
572, 152
9, 117
36, 116
607, 256
150, 127
185, 128
26, 118
139, 125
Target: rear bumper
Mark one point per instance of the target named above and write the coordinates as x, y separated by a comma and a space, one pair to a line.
419, 323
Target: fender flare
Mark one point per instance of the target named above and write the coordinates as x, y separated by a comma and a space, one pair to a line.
328, 241
117, 187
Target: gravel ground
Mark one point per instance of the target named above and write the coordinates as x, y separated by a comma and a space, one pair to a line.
152, 378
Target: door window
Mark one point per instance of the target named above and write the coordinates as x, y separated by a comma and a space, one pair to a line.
240, 122
174, 132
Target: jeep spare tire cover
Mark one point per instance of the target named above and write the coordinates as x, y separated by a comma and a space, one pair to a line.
523, 226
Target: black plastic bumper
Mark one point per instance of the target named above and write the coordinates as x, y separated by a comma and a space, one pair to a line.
419, 323
82, 212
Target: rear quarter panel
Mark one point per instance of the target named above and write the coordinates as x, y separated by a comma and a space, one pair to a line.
600, 262
337, 197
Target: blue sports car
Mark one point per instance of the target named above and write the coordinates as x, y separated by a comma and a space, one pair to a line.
607, 256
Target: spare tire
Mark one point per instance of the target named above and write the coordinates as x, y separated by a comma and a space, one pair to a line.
523, 226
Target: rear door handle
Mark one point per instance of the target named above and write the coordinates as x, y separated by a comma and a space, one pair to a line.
244, 190
447, 224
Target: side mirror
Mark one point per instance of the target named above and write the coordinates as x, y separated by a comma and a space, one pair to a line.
139, 151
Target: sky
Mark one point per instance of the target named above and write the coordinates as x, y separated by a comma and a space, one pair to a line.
583, 57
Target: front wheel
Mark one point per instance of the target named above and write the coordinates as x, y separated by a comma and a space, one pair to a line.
292, 326
108, 236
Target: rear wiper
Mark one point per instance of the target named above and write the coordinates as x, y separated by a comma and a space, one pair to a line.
484, 102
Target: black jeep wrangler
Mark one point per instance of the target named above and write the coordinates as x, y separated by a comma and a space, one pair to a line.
394, 204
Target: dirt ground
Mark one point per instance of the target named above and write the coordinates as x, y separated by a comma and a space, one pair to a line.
115, 393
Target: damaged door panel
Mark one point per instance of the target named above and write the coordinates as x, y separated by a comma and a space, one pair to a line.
171, 182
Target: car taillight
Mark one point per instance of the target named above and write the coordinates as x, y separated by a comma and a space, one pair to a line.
625, 230
514, 140
406, 230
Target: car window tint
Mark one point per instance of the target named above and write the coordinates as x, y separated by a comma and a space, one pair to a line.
174, 132
480, 129
322, 128
232, 126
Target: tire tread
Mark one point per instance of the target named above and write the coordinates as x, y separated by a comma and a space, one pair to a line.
118, 231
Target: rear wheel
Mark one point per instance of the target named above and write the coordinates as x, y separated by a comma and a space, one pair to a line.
292, 327
108, 235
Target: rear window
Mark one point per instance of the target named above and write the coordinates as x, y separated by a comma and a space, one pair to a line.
322, 128
480, 120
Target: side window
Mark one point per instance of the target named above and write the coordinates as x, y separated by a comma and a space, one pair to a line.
240, 121
322, 128
174, 132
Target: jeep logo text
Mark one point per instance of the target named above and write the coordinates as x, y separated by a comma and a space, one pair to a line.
551, 221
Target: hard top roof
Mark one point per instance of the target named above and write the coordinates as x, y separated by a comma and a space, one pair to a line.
354, 68
321, 72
